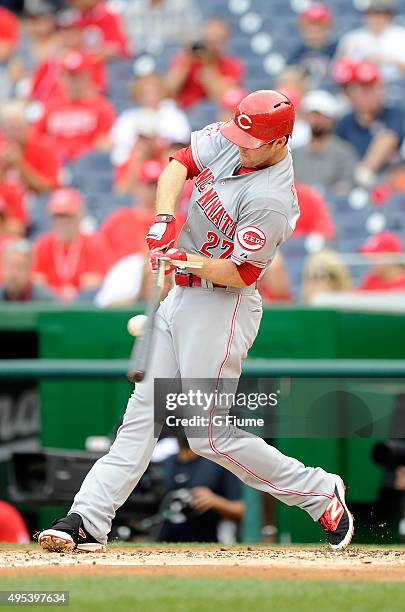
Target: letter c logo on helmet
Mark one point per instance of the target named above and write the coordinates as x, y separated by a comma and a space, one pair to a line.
244, 121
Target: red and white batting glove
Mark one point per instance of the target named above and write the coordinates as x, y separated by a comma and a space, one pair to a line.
168, 256
162, 234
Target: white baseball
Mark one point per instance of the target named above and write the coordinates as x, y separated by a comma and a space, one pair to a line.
136, 325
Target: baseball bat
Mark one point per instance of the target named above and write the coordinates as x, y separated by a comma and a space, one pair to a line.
142, 348
192, 265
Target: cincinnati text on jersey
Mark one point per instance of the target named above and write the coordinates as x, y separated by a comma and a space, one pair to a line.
210, 203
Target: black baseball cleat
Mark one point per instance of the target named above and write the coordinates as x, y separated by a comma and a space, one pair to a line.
68, 534
337, 521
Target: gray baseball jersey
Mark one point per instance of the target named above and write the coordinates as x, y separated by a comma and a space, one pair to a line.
244, 217
205, 333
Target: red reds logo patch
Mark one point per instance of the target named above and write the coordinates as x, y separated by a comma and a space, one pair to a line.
251, 238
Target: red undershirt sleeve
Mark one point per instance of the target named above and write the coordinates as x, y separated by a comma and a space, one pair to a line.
185, 157
249, 273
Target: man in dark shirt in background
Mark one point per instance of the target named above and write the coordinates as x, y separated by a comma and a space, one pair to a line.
317, 46
199, 495
373, 128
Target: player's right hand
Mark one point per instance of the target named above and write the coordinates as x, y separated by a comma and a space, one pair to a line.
166, 256
162, 234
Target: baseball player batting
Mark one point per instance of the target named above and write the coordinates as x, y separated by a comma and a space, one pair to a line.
243, 206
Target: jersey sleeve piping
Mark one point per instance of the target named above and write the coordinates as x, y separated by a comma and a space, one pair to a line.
196, 155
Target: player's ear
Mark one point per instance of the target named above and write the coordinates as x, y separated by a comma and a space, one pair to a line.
281, 142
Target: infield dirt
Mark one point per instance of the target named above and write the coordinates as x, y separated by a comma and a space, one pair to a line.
356, 563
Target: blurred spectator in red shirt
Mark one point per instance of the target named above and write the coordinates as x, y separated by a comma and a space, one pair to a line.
82, 121
383, 276
31, 156
12, 196
316, 48
13, 529
374, 128
65, 259
46, 81
9, 34
145, 132
16, 274
9, 38
204, 70
102, 28
315, 217
125, 229
274, 285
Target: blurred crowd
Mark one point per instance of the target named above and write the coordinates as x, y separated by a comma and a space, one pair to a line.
96, 96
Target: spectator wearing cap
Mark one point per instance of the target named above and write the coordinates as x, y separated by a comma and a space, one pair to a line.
153, 24
17, 278
326, 161
65, 259
12, 198
315, 217
103, 31
155, 116
383, 276
380, 40
46, 80
32, 157
317, 47
125, 229
375, 129
203, 70
81, 122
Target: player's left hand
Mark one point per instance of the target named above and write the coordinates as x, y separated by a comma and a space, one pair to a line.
162, 234
203, 499
168, 256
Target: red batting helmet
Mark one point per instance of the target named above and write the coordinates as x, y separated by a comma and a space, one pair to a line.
262, 117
